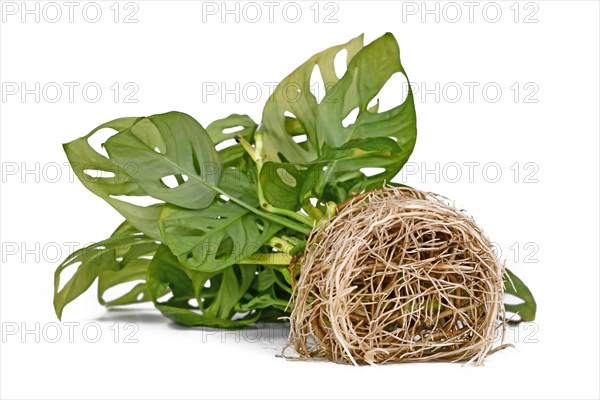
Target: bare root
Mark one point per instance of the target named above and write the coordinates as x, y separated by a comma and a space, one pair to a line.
398, 276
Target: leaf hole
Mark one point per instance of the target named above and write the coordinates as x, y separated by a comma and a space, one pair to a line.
350, 118
97, 140
97, 173
114, 292
372, 171
392, 94
165, 297
225, 144
300, 138
233, 129
142, 201
241, 315
173, 181
317, 87
66, 274
193, 303
340, 63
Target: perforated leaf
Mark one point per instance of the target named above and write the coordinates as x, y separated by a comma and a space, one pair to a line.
216, 237
124, 249
170, 145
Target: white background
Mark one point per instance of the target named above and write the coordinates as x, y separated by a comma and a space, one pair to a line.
549, 211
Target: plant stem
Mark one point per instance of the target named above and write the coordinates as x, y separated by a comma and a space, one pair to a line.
290, 239
313, 212
280, 244
270, 216
272, 259
257, 155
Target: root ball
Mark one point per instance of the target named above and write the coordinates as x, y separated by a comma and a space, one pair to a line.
398, 276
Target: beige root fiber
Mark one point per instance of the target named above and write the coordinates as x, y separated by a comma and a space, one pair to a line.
399, 275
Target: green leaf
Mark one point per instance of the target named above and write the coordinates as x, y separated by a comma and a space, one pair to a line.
170, 145
84, 159
367, 73
265, 280
216, 237
232, 283
174, 144
221, 235
130, 272
368, 70
217, 132
293, 94
515, 286
287, 185
217, 302
266, 301
124, 248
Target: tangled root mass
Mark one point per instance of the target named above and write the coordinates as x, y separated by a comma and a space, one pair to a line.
398, 276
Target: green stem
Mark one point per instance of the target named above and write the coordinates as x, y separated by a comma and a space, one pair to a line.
313, 212
257, 155
298, 248
272, 259
290, 239
280, 244
331, 209
272, 217
287, 213
247, 147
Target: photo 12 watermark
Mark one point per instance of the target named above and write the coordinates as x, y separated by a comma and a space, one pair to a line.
452, 12
474, 92
69, 332
518, 252
425, 92
57, 172
54, 12
69, 92
252, 12
269, 333
520, 172
46, 252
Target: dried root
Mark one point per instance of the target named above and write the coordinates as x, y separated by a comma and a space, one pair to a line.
398, 276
